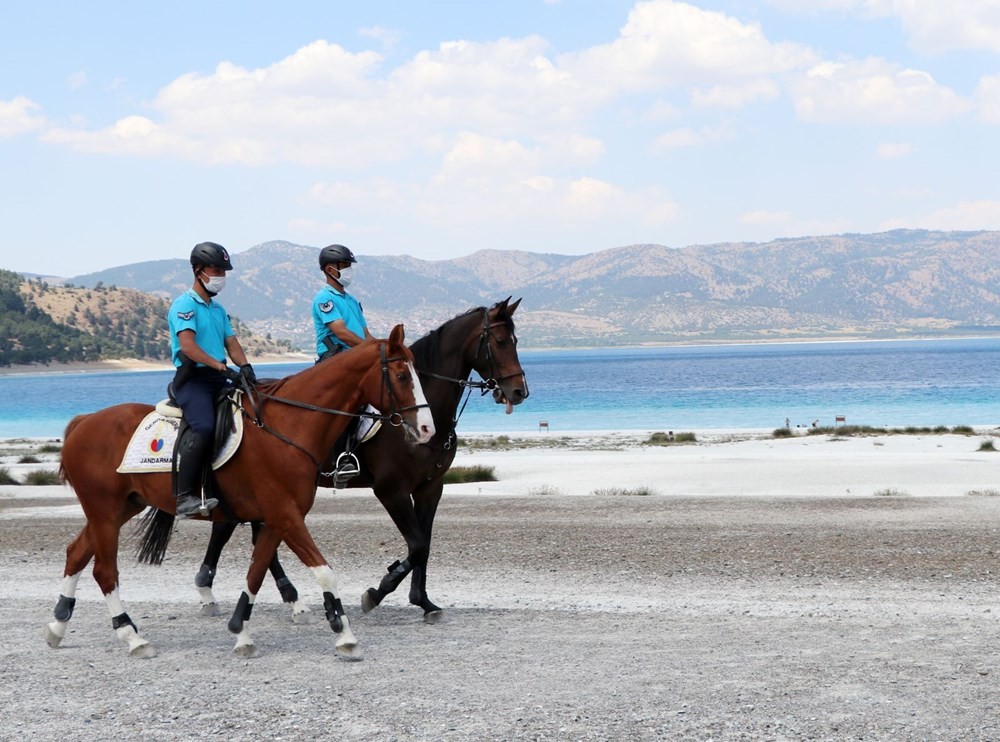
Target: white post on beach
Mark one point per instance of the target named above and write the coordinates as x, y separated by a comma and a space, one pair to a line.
839, 420
543, 425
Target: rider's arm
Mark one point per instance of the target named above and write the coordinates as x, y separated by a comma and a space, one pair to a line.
190, 348
348, 338
235, 351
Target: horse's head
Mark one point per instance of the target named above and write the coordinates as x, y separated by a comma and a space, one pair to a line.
398, 393
496, 360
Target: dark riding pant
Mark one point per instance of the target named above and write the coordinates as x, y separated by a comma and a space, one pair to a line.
196, 397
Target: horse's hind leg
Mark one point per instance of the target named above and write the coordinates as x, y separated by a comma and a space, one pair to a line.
222, 531
425, 503
78, 556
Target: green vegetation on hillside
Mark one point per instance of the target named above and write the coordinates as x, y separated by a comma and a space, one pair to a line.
30, 335
46, 324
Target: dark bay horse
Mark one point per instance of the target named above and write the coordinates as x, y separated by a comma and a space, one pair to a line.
408, 479
270, 478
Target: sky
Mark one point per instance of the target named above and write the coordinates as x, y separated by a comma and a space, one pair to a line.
132, 131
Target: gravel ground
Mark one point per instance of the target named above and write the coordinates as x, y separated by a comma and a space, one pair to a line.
566, 618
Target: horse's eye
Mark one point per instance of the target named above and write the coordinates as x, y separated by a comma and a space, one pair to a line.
403, 378
501, 342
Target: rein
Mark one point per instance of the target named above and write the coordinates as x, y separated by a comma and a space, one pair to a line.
394, 418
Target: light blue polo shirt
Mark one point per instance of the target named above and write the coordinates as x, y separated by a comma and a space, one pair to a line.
208, 320
331, 305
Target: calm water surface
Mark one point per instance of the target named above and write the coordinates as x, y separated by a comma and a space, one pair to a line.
939, 382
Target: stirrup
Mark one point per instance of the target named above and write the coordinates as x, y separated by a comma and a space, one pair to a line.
203, 506
346, 468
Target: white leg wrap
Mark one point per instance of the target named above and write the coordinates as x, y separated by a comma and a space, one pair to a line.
137, 646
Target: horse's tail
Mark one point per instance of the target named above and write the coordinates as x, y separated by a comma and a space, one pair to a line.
154, 529
66, 433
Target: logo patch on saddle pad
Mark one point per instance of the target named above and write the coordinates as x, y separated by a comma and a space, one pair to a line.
152, 446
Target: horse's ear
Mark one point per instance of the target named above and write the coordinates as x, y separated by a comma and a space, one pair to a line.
396, 336
511, 308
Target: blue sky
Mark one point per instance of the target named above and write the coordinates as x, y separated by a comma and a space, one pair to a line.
132, 131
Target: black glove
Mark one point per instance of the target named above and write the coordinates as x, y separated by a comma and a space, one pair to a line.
246, 372
233, 377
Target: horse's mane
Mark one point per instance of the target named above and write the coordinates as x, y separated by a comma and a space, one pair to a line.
427, 349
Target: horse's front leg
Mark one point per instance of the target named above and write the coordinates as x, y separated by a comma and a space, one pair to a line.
300, 611
400, 508
264, 549
297, 537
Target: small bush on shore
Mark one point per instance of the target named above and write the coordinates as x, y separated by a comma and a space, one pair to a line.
890, 492
29, 459
983, 493
665, 439
50, 448
987, 445
460, 474
623, 492
6, 477
847, 430
42, 477
782, 433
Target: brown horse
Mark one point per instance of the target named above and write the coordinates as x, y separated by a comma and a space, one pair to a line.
270, 478
408, 479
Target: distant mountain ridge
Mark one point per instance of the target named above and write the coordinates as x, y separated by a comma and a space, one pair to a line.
902, 283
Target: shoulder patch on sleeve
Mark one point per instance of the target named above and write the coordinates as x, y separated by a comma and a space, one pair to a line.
185, 315
326, 306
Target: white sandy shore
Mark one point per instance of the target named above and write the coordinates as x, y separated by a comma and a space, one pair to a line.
130, 364
722, 463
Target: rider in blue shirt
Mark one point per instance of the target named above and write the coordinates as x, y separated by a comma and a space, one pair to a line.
337, 316
200, 338
340, 324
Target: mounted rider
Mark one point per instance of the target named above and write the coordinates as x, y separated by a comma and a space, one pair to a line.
201, 335
339, 321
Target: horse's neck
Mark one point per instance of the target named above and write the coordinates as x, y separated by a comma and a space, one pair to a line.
455, 358
334, 384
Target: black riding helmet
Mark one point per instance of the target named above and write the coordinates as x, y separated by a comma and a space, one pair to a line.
335, 254
211, 254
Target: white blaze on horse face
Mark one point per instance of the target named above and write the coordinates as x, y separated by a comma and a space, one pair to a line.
425, 420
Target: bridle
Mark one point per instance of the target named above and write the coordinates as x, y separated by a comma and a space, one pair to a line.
394, 418
492, 382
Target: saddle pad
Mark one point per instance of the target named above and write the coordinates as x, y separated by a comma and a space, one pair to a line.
152, 446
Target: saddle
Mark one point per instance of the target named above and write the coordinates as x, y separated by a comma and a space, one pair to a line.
226, 401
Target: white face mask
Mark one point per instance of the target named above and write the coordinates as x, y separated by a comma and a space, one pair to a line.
214, 284
345, 277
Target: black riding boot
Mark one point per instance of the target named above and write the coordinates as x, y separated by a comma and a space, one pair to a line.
193, 451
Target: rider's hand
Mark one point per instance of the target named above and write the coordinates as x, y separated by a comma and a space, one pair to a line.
232, 376
246, 372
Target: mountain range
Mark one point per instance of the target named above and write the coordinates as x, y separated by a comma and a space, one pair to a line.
903, 283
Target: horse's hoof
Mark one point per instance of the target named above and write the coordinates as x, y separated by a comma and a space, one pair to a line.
210, 609
52, 638
368, 603
245, 650
349, 654
304, 618
434, 616
142, 651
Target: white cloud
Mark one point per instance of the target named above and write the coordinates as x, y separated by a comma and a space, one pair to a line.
988, 98
766, 217
687, 137
666, 43
873, 91
735, 96
893, 150
931, 25
965, 215
18, 116
77, 80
